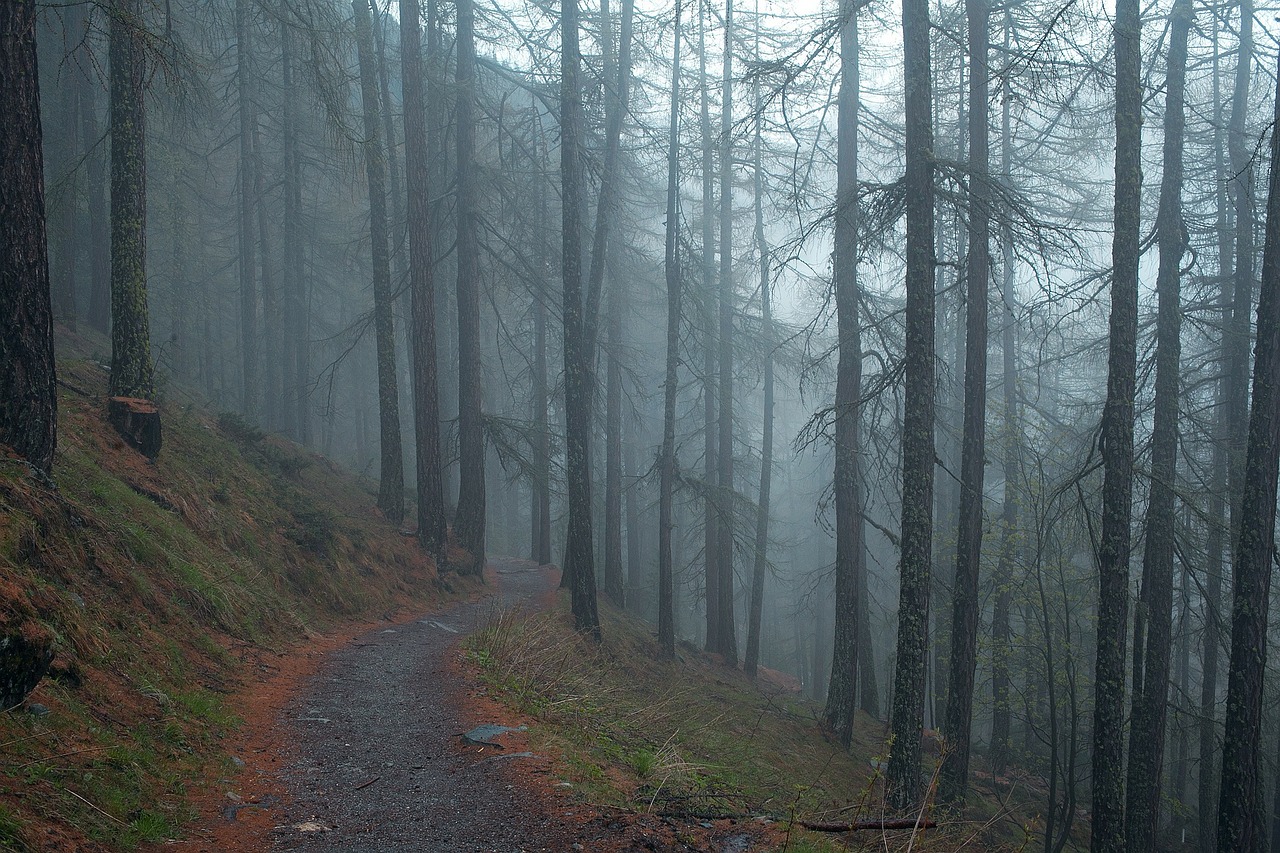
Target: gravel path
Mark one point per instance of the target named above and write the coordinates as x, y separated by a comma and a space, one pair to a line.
375, 760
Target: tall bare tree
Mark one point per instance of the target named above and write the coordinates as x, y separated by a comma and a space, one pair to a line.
1116, 443
907, 720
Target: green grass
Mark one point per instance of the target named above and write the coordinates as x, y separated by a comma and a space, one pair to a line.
632, 732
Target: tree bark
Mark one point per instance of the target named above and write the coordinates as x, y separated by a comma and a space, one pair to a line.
579, 332
28, 380
249, 392
728, 640
1241, 820
132, 372
391, 472
671, 383
1116, 440
1153, 625
907, 719
422, 292
761, 565
616, 107
469, 523
850, 557
711, 469
958, 719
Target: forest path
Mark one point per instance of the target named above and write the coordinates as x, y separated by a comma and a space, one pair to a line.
365, 754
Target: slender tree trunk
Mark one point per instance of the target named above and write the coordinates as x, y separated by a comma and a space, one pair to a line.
1241, 817
766, 439
541, 509
99, 219
28, 380
248, 266
294, 286
728, 645
391, 479
1215, 545
850, 558
469, 523
616, 106
906, 722
712, 498
271, 327
1153, 626
579, 332
422, 292
1000, 629
958, 721
671, 383
1116, 440
64, 273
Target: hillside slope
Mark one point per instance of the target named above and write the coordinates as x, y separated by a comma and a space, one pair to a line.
154, 584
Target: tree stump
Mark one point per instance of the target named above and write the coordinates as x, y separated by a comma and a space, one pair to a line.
138, 422
23, 662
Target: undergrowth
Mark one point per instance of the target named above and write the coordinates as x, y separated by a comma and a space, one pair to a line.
696, 740
156, 582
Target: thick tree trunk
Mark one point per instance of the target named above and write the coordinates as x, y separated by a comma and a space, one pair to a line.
391, 474
1116, 440
469, 523
297, 310
28, 382
907, 719
1241, 816
132, 372
671, 383
422, 292
850, 557
579, 332
958, 720
1153, 625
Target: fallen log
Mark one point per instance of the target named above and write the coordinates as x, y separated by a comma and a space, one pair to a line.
858, 825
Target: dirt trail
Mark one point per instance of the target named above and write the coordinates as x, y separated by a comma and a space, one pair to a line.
374, 761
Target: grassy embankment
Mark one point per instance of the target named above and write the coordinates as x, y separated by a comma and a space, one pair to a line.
158, 583
692, 740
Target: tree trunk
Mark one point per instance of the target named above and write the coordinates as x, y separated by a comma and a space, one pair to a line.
958, 721
99, 219
422, 292
1153, 632
132, 372
615, 109
671, 383
766, 439
28, 381
391, 469
1116, 440
728, 645
65, 208
297, 310
711, 469
579, 332
1000, 630
541, 510
248, 266
907, 719
850, 557
469, 523
1241, 824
